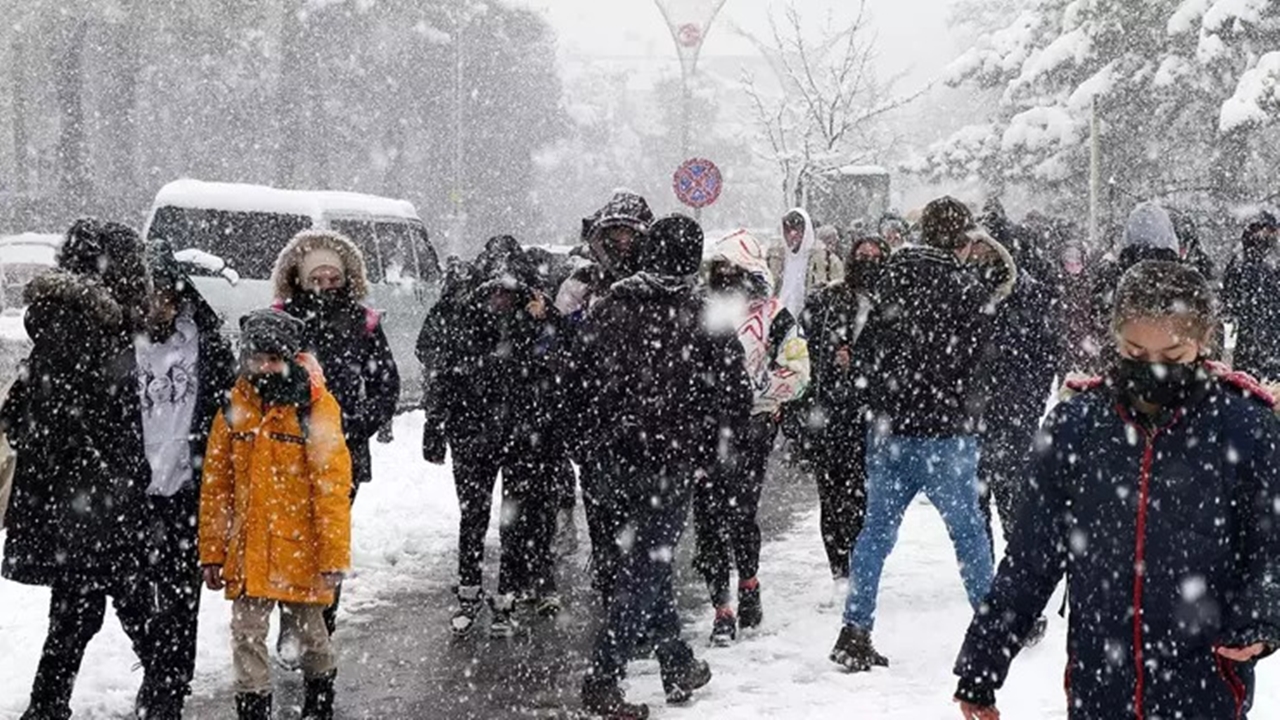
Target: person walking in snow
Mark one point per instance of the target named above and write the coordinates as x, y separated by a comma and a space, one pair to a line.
656, 386
1149, 234
77, 515
933, 318
799, 242
185, 370
275, 510
1250, 296
1158, 488
740, 299
834, 411
614, 235
494, 407
320, 278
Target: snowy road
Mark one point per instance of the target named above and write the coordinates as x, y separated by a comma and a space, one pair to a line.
398, 661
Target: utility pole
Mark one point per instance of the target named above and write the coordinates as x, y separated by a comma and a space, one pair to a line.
457, 196
1095, 173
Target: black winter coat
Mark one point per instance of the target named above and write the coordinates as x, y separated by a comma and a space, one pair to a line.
491, 372
1251, 293
1025, 350
359, 369
838, 317
74, 418
932, 320
1192, 505
655, 388
216, 376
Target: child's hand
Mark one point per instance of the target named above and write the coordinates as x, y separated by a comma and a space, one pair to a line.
331, 580
213, 577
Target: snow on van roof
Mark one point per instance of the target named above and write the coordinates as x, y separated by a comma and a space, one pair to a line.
315, 204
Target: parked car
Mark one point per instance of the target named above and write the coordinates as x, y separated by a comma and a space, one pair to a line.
22, 257
233, 233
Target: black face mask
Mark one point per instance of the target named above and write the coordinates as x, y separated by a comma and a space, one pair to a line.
864, 274
288, 388
1167, 385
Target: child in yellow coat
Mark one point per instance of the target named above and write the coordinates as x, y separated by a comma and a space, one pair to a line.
275, 516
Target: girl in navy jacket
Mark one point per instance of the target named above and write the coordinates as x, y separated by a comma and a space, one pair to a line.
1156, 491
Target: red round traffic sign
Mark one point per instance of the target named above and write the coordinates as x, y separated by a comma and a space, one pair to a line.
698, 183
689, 35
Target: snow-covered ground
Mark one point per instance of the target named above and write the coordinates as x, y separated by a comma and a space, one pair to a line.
407, 519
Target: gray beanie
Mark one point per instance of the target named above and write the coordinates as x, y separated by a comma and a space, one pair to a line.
271, 331
1150, 227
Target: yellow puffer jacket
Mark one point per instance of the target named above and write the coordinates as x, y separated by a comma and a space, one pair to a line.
275, 507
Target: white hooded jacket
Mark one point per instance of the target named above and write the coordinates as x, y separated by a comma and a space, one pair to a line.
779, 371
795, 270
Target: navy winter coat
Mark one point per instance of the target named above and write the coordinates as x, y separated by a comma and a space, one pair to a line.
1169, 536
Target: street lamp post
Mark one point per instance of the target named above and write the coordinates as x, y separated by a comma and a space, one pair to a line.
689, 22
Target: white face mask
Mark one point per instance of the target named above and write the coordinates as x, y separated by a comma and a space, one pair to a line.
726, 311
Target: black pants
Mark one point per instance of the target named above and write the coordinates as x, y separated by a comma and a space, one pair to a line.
77, 607
174, 585
643, 598
604, 520
725, 509
840, 468
1002, 467
528, 528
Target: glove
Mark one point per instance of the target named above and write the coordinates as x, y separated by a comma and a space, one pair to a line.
434, 444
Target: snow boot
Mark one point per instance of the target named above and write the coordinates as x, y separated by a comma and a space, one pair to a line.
470, 603
725, 628
504, 622
153, 703
1038, 630
854, 651
680, 684
605, 700
319, 702
750, 612
252, 706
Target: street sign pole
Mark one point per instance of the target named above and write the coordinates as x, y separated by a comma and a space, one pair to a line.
689, 22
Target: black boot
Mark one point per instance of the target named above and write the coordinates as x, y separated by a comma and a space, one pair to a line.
605, 700
252, 706
855, 652
750, 611
319, 702
680, 683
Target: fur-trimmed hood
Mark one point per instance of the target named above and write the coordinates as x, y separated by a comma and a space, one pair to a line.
285, 276
76, 293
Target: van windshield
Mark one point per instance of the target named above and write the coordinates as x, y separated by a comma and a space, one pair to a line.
248, 241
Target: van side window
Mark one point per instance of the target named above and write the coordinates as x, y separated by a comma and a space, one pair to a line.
363, 235
397, 251
248, 241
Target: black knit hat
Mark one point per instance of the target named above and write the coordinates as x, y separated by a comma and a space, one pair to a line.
674, 247
624, 209
946, 223
271, 331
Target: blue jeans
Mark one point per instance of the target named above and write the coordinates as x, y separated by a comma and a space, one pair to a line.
898, 469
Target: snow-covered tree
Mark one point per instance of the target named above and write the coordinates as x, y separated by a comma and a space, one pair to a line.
1184, 91
826, 115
